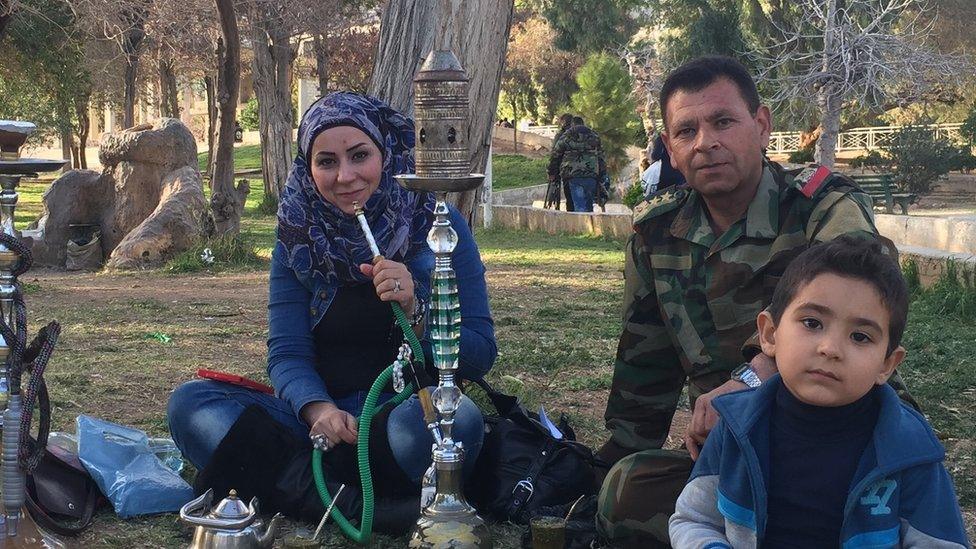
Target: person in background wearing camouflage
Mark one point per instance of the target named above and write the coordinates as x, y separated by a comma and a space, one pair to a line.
702, 263
577, 158
552, 193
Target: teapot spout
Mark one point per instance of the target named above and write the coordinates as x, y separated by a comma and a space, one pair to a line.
266, 540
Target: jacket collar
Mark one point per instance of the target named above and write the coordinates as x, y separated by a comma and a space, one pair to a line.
761, 220
901, 437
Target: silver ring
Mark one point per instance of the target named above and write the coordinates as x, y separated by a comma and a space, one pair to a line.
396, 285
321, 442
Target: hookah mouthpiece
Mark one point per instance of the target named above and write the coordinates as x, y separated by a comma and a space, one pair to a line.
361, 216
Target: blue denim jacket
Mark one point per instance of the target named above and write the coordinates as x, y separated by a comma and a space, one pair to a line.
295, 309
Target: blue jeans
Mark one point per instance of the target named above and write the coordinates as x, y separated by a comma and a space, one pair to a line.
201, 412
583, 190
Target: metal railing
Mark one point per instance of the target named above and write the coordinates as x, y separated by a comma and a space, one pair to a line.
860, 139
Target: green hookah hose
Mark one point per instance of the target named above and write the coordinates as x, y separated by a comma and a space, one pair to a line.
365, 530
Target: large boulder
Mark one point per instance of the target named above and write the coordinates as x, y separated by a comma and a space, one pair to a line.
149, 180
172, 227
138, 160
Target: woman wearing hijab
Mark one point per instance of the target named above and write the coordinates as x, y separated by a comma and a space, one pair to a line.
331, 327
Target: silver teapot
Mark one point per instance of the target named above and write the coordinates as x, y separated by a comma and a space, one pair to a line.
230, 525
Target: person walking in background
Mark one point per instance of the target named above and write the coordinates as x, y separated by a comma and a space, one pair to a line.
578, 160
565, 121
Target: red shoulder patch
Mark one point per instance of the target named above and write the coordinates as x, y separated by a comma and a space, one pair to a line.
813, 181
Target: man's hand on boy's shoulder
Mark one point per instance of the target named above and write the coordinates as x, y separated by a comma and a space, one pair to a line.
704, 417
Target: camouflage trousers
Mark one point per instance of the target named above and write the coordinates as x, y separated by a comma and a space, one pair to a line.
638, 496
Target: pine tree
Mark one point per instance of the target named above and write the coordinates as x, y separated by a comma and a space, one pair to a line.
604, 101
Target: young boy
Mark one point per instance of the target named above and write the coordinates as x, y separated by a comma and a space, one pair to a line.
824, 454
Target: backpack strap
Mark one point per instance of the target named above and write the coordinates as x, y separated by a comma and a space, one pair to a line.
525, 488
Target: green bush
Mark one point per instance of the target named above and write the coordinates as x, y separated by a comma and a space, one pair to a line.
964, 161
871, 160
802, 156
236, 251
634, 195
249, 115
918, 158
968, 129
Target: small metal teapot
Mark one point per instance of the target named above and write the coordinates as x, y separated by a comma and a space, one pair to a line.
230, 525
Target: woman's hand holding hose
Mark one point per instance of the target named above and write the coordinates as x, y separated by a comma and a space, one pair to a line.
393, 282
324, 418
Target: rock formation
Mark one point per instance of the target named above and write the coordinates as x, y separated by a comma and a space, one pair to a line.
148, 201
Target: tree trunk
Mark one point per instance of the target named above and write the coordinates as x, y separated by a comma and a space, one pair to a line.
477, 31
129, 97
4, 20
830, 110
322, 62
84, 127
829, 98
169, 106
131, 50
272, 87
227, 200
208, 82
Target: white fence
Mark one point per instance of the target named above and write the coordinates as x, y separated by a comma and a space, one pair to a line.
858, 139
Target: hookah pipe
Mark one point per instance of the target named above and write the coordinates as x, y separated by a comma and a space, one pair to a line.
423, 391
419, 379
20, 452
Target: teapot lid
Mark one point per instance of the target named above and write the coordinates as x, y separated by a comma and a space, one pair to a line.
231, 507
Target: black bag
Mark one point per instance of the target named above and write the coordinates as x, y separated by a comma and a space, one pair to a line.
61, 495
521, 466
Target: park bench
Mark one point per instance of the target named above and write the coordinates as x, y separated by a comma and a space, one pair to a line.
881, 188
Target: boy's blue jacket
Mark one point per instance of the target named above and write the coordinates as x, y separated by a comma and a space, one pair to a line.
901, 495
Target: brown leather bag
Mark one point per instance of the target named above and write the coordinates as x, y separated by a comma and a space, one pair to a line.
61, 495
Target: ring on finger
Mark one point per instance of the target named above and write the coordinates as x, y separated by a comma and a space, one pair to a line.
396, 285
321, 442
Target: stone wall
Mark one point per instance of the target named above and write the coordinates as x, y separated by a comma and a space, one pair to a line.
948, 234
527, 139
556, 222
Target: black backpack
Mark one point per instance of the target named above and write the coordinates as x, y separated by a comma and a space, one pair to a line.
522, 467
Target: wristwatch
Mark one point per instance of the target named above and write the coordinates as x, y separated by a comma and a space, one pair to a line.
747, 375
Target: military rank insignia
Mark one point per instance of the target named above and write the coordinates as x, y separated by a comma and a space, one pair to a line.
811, 178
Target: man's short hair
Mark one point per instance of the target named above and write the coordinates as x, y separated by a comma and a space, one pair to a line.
577, 120
859, 257
701, 72
565, 119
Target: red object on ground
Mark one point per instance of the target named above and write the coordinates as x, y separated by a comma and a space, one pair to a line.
235, 379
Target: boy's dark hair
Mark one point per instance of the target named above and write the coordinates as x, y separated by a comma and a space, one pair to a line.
701, 72
577, 120
855, 257
565, 120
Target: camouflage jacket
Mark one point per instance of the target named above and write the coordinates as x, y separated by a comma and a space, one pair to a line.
577, 152
692, 298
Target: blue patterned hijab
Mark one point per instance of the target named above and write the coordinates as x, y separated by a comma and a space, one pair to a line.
316, 239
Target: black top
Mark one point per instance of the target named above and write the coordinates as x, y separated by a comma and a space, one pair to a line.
813, 455
355, 341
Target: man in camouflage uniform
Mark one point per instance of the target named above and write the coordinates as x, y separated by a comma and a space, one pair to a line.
552, 192
577, 158
702, 264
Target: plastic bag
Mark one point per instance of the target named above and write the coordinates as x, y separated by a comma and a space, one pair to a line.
84, 256
127, 471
